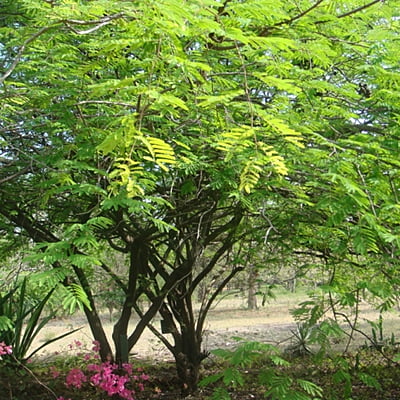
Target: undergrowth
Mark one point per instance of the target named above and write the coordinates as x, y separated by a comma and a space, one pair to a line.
251, 371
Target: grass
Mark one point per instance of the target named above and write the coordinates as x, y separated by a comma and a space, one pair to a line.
48, 335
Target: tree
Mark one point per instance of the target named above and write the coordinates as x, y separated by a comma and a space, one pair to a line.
156, 129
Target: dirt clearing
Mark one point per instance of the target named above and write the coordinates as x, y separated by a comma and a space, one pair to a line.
272, 323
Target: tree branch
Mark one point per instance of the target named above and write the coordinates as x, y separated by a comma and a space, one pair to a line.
267, 30
18, 57
107, 102
87, 31
358, 9
68, 22
206, 307
11, 177
107, 18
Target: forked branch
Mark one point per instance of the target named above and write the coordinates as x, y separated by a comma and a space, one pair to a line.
67, 22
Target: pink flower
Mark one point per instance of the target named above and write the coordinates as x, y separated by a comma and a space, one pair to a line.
94, 368
54, 372
144, 377
75, 378
128, 368
96, 346
96, 379
78, 343
127, 394
4, 349
109, 378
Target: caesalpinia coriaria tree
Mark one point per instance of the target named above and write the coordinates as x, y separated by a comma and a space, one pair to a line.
153, 129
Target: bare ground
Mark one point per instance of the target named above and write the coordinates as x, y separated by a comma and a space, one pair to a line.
228, 319
272, 323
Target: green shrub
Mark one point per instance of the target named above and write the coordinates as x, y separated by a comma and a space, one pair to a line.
276, 383
20, 321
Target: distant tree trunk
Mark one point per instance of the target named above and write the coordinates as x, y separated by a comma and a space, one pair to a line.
110, 309
291, 285
252, 288
201, 292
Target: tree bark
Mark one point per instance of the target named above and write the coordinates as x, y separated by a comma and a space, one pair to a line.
137, 267
93, 318
252, 288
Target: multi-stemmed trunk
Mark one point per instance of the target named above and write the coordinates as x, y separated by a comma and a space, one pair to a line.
188, 358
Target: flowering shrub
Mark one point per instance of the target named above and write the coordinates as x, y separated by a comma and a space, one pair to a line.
106, 377
75, 378
4, 349
54, 372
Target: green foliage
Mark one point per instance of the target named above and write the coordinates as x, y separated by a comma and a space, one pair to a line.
75, 297
69, 296
271, 373
22, 321
284, 387
345, 376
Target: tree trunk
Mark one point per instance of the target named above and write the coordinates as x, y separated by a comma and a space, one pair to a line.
252, 288
188, 372
120, 334
137, 267
93, 318
98, 334
188, 357
181, 324
293, 285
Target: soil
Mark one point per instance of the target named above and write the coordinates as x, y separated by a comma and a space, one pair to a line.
229, 319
